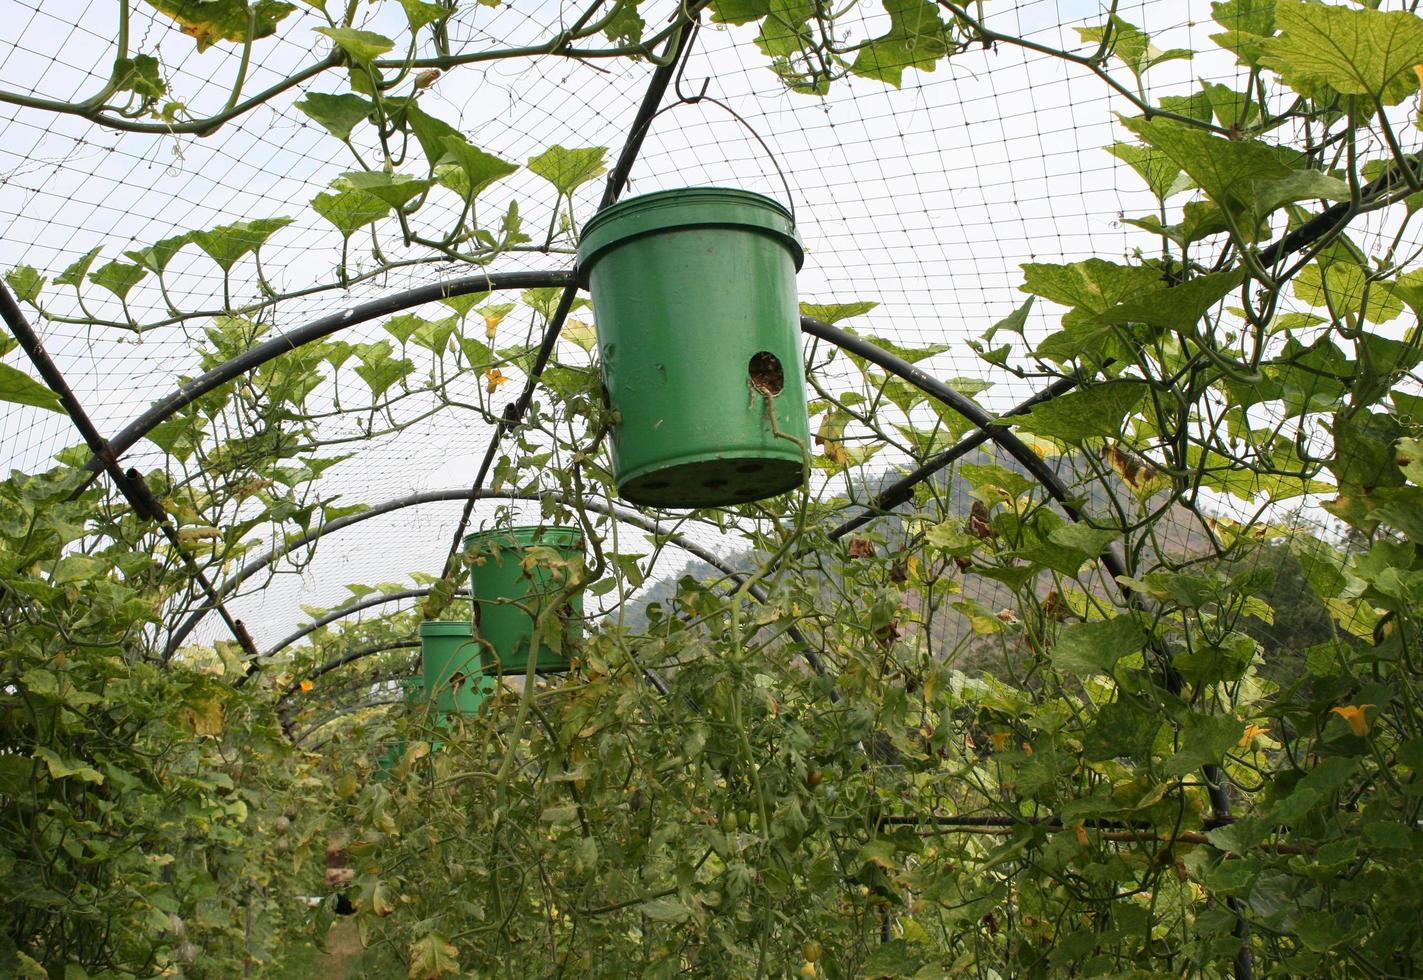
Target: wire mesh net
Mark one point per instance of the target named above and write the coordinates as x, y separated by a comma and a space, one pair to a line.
924, 198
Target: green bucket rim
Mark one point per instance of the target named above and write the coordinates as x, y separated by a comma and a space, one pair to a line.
446, 627
685, 207
528, 535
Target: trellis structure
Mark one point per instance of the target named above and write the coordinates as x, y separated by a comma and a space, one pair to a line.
1162, 328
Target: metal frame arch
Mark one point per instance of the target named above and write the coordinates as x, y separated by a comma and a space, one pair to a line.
613, 511
255, 357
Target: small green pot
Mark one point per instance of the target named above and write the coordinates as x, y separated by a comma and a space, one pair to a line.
698, 326
501, 585
451, 670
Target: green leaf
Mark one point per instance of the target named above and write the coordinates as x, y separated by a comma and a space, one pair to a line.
1248, 25
60, 768
156, 257
669, 909
1354, 52
1160, 172
118, 277
835, 312
225, 244
349, 210
1098, 411
1130, 46
74, 275
21, 389
420, 13
26, 284
1227, 170
1205, 739
1089, 287
1180, 307
140, 76
480, 169
1345, 289
209, 21
394, 189
917, 37
378, 368
567, 169
1091, 648
363, 46
339, 114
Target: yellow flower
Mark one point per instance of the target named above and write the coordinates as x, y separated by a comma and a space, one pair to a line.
1251, 733
1000, 740
1354, 715
495, 377
306, 685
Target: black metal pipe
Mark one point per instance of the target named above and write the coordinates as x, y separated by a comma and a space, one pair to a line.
254, 358
902, 489
350, 656
336, 615
625, 515
131, 483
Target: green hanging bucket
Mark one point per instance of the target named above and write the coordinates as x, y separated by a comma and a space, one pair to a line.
452, 675
498, 580
699, 334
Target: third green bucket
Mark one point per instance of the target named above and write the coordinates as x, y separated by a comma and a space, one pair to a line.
694, 299
452, 672
506, 574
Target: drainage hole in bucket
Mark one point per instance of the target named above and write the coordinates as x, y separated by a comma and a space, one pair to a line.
766, 373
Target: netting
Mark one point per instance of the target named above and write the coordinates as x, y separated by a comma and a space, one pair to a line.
924, 199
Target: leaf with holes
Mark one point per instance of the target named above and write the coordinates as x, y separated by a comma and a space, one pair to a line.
209, 21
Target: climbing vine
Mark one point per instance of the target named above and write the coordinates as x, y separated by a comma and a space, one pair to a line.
1021, 723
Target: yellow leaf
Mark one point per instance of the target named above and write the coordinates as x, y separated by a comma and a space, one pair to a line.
1354, 715
203, 717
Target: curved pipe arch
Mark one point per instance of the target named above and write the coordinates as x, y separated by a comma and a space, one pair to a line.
338, 614
255, 357
250, 568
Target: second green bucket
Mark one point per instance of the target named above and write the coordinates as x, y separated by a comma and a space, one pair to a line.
694, 299
512, 585
451, 669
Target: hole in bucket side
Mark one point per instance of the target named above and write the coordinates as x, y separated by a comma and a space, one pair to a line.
766, 374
